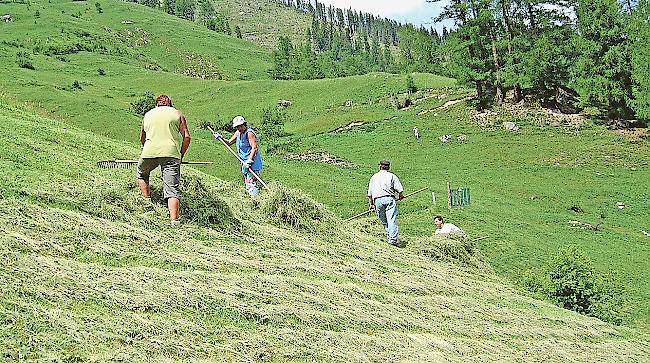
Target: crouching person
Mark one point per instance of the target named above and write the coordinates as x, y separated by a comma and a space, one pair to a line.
248, 148
160, 147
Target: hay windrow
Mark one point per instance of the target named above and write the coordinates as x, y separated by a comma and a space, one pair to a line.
284, 207
458, 249
201, 204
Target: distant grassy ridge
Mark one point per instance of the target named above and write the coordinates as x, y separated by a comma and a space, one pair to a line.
92, 272
144, 38
264, 21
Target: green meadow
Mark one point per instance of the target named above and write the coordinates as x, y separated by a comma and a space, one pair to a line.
90, 273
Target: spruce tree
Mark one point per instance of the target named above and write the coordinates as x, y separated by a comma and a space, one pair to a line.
641, 59
604, 77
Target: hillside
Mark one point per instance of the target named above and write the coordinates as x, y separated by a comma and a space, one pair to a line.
62, 34
263, 22
526, 186
91, 272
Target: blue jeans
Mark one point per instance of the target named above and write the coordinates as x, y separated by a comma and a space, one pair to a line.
251, 183
386, 208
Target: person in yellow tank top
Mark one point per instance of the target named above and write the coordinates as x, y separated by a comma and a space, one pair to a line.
162, 146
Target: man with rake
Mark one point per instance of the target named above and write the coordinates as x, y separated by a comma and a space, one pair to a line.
160, 147
381, 197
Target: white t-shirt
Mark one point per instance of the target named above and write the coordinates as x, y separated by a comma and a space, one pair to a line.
384, 183
448, 228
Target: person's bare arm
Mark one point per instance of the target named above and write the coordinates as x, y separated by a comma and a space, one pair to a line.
185, 131
232, 139
253, 141
143, 135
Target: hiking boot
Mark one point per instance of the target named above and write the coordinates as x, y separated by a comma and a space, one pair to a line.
398, 244
175, 223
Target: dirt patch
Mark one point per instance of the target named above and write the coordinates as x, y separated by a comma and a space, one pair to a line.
524, 113
634, 135
321, 157
350, 126
446, 105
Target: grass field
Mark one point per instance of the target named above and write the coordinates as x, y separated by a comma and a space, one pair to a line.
524, 185
92, 272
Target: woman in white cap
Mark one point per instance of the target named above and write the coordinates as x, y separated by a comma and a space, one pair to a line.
249, 152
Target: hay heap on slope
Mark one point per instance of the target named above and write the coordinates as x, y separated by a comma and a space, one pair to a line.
292, 208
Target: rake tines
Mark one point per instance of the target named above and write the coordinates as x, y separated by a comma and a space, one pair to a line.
112, 163
116, 163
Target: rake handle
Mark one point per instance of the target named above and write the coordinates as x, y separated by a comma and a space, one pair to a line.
369, 210
238, 158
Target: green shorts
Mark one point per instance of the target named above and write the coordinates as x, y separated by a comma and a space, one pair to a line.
171, 174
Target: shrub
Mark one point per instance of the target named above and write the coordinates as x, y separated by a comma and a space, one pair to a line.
98, 6
76, 85
410, 85
273, 120
204, 124
101, 72
575, 285
24, 60
143, 104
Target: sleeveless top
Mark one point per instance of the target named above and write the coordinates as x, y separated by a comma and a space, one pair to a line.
162, 132
245, 148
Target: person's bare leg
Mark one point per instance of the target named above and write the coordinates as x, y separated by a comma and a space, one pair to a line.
145, 188
174, 205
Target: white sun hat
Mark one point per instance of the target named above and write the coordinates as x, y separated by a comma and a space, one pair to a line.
238, 120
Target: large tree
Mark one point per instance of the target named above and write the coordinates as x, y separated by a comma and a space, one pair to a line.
641, 59
604, 77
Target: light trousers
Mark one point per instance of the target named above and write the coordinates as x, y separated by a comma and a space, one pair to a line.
386, 208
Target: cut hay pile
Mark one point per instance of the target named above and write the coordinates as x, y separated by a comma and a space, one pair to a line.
458, 249
292, 208
202, 205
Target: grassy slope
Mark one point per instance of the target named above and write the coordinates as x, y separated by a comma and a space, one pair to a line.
91, 272
264, 21
522, 184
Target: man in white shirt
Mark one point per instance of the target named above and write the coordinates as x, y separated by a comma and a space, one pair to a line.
445, 228
381, 197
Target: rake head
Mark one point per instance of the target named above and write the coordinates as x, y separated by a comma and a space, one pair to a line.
106, 164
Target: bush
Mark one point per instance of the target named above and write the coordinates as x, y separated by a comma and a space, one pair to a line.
76, 85
143, 104
573, 284
204, 124
24, 60
410, 85
273, 120
101, 72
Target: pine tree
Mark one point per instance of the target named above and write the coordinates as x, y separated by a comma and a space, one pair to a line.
282, 59
185, 9
604, 77
640, 59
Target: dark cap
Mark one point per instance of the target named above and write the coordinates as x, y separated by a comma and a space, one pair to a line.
384, 163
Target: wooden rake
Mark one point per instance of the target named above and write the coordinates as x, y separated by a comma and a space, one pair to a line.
369, 211
115, 163
214, 133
